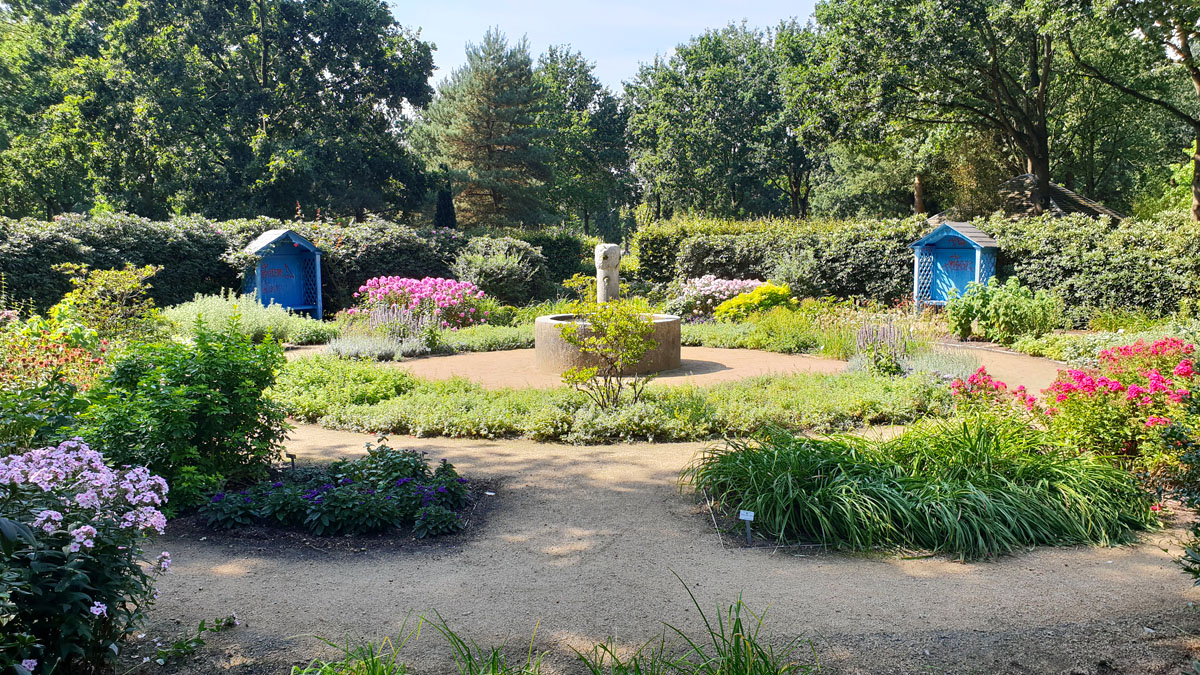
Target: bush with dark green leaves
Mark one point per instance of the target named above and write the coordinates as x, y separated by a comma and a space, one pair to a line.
195, 414
567, 253
189, 250
507, 269
851, 258
385, 489
1096, 265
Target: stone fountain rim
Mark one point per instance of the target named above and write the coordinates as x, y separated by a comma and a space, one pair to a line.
556, 319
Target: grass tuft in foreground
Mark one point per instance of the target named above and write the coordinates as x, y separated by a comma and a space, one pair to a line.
732, 643
972, 488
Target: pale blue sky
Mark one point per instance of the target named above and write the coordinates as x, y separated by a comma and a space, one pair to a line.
615, 35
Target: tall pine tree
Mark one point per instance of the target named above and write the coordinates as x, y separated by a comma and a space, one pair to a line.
482, 127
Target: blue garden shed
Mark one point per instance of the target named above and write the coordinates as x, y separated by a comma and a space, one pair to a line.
288, 271
949, 258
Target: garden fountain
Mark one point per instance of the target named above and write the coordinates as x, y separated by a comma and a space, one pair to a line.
552, 352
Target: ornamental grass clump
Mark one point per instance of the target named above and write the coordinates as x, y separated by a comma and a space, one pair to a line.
74, 580
973, 488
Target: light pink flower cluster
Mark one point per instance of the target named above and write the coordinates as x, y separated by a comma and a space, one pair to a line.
698, 298
454, 304
84, 491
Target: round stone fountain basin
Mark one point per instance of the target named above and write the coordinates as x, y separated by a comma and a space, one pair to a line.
553, 353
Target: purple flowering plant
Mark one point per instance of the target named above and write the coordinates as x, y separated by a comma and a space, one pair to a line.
75, 578
386, 489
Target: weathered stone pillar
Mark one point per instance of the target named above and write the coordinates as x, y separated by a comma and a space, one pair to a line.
608, 278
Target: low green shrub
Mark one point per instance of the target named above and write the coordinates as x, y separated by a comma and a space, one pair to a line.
827, 327
973, 488
1003, 312
489, 338
113, 303
1080, 349
765, 297
375, 347
251, 317
382, 399
385, 489
194, 413
617, 335
948, 365
313, 386
39, 415
509, 270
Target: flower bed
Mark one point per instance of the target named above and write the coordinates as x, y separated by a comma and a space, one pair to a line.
384, 490
1131, 407
697, 299
74, 580
453, 304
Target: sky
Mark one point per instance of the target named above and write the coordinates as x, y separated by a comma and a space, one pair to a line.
616, 35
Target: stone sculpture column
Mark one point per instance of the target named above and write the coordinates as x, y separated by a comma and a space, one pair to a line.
608, 279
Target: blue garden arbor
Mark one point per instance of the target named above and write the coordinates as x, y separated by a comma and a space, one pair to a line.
949, 258
288, 272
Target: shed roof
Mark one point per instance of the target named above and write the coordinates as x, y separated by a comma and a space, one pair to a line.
271, 237
1017, 195
976, 237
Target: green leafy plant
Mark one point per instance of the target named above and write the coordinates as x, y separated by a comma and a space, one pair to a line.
188, 644
328, 390
434, 520
617, 335
38, 416
508, 269
761, 299
252, 317
74, 580
973, 487
385, 489
114, 303
1003, 312
195, 413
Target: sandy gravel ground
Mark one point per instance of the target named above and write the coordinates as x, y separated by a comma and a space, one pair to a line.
701, 365
586, 541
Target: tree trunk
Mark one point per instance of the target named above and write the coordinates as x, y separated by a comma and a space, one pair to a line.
918, 195
1196, 179
794, 197
1040, 168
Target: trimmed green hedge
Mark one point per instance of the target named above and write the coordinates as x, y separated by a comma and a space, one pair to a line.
188, 249
867, 258
1095, 264
201, 256
1092, 264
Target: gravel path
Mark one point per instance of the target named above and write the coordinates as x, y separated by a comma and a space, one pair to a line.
585, 540
701, 365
